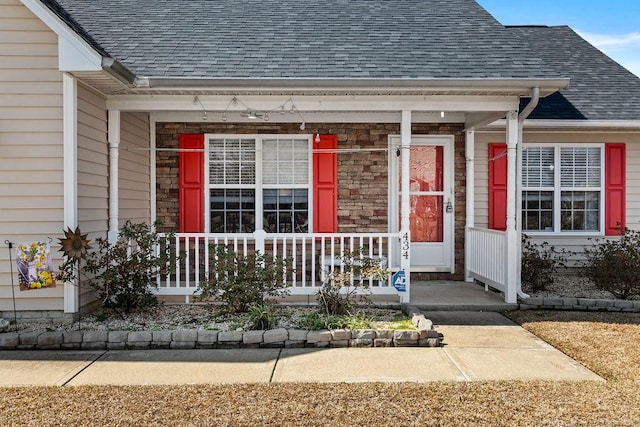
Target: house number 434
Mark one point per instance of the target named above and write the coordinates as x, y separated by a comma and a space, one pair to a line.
405, 245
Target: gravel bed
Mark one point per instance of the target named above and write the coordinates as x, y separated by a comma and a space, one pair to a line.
571, 285
185, 317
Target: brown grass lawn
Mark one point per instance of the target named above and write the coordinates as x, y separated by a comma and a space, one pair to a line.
606, 343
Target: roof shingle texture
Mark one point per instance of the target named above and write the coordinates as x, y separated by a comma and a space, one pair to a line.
600, 88
386, 39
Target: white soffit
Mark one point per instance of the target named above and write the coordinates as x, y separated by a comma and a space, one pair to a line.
74, 54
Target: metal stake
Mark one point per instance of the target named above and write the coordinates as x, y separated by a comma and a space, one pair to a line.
13, 291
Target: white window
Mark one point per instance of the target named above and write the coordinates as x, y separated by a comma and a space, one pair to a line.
258, 182
562, 188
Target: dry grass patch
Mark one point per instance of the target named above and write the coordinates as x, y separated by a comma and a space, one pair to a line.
606, 343
495, 404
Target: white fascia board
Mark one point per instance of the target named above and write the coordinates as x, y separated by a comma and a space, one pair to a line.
74, 54
546, 86
572, 125
320, 103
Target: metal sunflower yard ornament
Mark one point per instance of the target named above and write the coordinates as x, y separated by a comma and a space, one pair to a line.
75, 244
75, 247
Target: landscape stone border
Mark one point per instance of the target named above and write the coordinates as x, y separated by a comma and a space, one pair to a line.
424, 335
580, 304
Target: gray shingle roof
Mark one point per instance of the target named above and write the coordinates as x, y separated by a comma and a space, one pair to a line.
347, 39
386, 39
600, 88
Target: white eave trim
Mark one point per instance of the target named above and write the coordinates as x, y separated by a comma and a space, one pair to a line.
547, 86
74, 54
572, 124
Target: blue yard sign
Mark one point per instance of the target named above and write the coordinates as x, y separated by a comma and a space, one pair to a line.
399, 280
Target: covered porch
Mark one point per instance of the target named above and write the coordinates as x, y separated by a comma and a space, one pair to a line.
395, 123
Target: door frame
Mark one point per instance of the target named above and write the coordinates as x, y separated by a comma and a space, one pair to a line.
448, 141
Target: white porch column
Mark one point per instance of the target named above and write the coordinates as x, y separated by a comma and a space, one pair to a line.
518, 250
470, 141
70, 174
114, 147
511, 232
152, 166
405, 207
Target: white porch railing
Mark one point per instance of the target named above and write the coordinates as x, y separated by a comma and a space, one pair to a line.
488, 257
310, 257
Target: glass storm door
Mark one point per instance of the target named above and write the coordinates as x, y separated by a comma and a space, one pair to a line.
431, 202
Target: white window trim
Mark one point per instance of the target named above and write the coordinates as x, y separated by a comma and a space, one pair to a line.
258, 185
557, 190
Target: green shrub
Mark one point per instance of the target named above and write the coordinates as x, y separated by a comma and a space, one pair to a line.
315, 321
262, 316
540, 263
358, 321
348, 285
123, 273
614, 265
239, 281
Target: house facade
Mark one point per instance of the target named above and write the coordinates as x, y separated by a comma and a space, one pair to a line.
427, 134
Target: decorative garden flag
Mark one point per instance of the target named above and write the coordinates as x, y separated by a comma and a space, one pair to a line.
34, 265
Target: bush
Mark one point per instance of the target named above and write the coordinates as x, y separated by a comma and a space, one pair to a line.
123, 273
614, 265
239, 281
262, 316
315, 320
540, 263
348, 285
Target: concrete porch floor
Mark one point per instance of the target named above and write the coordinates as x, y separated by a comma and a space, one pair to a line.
436, 295
443, 295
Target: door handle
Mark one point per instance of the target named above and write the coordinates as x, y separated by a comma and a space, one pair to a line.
448, 207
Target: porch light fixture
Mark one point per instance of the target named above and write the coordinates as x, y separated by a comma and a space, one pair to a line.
442, 114
302, 125
317, 138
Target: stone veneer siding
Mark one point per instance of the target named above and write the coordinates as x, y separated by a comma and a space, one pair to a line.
362, 176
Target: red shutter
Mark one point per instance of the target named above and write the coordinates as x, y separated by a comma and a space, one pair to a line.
325, 185
497, 186
614, 183
191, 175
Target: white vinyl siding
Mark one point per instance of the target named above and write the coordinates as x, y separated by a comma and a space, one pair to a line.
134, 169
93, 163
31, 178
93, 169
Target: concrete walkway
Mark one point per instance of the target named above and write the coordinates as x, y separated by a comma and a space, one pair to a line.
478, 346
